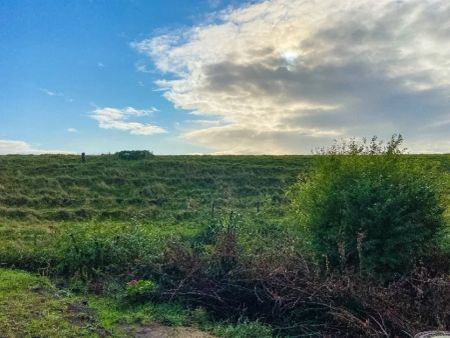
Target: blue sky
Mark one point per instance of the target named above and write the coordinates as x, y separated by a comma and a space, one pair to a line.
61, 59
216, 76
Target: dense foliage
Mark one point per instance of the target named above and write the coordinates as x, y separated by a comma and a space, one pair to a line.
368, 207
133, 154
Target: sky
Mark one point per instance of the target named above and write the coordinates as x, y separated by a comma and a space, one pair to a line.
222, 77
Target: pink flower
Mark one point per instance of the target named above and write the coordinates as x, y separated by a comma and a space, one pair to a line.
133, 282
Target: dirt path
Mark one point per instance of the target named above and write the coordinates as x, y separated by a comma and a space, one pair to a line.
161, 331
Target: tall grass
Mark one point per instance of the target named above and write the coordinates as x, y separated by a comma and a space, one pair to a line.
62, 187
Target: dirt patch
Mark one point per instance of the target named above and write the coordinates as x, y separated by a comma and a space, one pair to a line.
161, 331
78, 313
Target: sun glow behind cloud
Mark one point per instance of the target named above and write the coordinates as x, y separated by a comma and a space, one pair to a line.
284, 76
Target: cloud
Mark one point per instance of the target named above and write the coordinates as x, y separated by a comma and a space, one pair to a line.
100, 65
285, 76
56, 94
142, 67
72, 130
204, 122
22, 147
49, 92
114, 118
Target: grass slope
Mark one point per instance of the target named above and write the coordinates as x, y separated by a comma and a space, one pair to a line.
61, 187
107, 200
31, 307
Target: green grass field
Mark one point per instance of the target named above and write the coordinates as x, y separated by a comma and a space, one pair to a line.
39, 195
162, 187
47, 200
43, 197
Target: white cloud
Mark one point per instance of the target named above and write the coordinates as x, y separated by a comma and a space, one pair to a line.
50, 92
100, 65
205, 122
284, 76
56, 94
143, 67
72, 130
114, 118
22, 147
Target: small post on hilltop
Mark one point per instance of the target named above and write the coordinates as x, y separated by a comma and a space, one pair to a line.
83, 157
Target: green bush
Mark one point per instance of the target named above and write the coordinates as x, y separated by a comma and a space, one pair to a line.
368, 207
133, 154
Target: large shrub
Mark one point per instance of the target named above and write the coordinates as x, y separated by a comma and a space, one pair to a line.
369, 207
133, 154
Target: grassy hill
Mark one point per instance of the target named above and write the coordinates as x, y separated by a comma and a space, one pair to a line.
94, 226
58, 187
61, 187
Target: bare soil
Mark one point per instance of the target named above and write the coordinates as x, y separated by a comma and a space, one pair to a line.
161, 331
